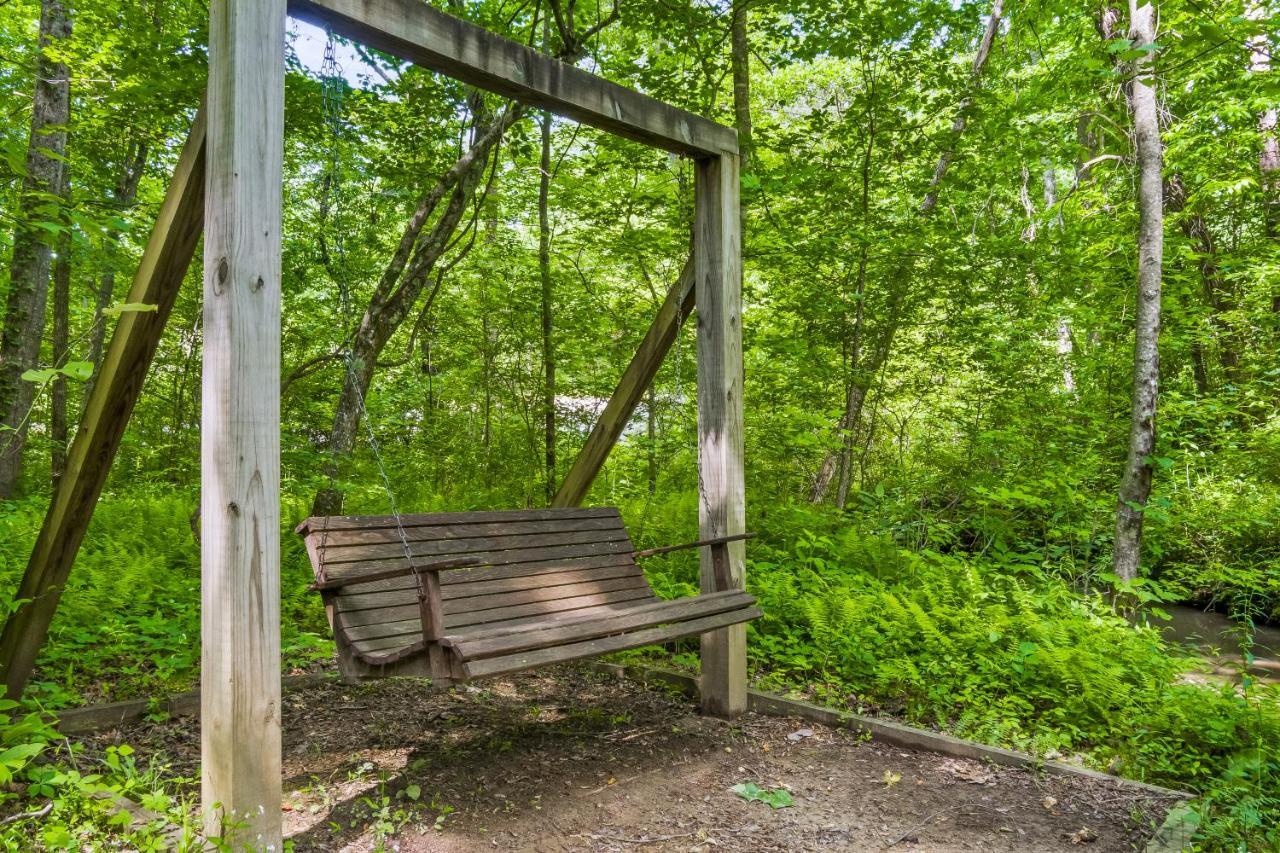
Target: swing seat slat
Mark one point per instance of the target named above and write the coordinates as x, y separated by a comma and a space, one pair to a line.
486, 593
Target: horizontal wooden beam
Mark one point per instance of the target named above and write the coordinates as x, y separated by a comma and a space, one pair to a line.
416, 32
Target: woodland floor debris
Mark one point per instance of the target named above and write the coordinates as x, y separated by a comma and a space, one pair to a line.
567, 760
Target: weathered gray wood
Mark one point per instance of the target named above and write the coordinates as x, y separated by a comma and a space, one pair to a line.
429, 533
240, 426
601, 613
351, 601
381, 592
513, 593
634, 640
488, 558
524, 622
701, 543
337, 558
557, 631
554, 591
722, 491
119, 384
431, 519
636, 379
476, 608
390, 574
433, 627
459, 622
548, 581
428, 37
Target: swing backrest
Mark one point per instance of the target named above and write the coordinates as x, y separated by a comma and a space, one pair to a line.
531, 565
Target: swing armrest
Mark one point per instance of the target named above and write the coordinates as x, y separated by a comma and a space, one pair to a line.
701, 543
432, 568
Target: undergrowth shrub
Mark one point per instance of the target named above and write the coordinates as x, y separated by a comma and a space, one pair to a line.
1008, 654
128, 623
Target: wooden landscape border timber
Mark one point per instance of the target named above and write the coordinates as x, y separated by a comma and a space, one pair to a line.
414, 31
885, 731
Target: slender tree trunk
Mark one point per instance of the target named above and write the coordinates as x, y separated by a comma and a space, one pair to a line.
61, 333
32, 254
415, 258
1066, 340
548, 320
651, 430
1217, 292
1135, 485
856, 389
399, 288
740, 57
962, 114
1268, 128
58, 393
126, 193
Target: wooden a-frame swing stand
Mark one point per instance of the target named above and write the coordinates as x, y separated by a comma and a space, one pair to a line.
227, 185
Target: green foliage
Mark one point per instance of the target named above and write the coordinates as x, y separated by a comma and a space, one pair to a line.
128, 625
1014, 658
53, 796
774, 798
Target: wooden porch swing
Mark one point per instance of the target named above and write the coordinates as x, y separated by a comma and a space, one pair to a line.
460, 596
456, 596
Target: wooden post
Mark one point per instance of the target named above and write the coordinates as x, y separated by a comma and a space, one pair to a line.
119, 384
636, 379
240, 421
717, 253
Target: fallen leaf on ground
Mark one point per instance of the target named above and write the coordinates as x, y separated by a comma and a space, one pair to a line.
1083, 835
776, 798
1049, 803
891, 778
969, 771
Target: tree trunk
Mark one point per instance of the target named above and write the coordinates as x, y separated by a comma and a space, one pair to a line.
399, 288
1268, 125
962, 114
651, 431
126, 192
548, 327
839, 460
1217, 292
740, 57
58, 393
1066, 340
1135, 485
32, 253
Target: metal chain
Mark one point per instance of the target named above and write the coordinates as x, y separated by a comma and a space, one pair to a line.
333, 91
363, 413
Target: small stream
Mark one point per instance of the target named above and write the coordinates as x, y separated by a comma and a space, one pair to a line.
1211, 634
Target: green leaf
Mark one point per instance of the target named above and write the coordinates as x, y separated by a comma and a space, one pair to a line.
413, 792
44, 375
18, 755
776, 798
129, 308
78, 370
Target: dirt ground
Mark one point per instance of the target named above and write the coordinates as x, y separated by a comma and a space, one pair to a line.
569, 760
